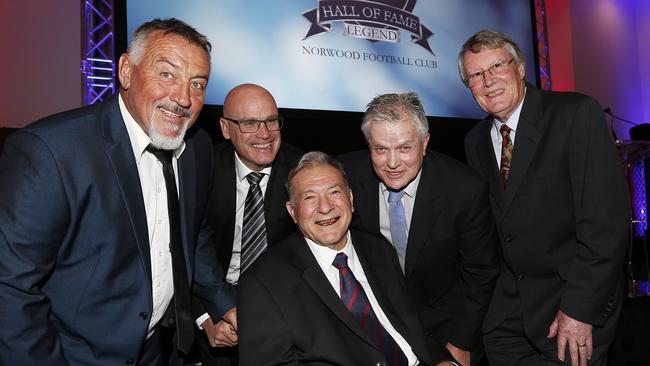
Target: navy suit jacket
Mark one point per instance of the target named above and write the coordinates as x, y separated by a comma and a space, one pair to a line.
563, 217
290, 314
452, 258
75, 269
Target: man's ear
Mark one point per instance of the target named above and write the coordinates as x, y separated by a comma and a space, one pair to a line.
225, 130
124, 71
291, 211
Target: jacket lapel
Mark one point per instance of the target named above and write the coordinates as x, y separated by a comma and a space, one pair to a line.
314, 276
275, 197
120, 153
526, 142
425, 212
485, 152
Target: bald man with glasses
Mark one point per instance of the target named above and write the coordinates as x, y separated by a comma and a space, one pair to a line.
246, 207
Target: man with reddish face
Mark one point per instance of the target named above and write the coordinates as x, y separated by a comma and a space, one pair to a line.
331, 295
435, 212
102, 234
560, 203
246, 204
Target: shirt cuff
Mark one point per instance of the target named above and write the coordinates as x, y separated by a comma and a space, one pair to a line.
201, 319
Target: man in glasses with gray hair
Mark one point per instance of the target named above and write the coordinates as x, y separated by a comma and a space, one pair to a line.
561, 207
247, 203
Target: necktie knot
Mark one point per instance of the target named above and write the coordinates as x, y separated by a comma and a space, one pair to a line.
340, 261
254, 178
505, 130
395, 196
164, 156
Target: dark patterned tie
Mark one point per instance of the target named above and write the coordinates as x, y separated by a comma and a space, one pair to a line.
253, 238
355, 299
182, 302
506, 152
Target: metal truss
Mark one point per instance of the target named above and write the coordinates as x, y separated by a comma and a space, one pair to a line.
97, 64
542, 45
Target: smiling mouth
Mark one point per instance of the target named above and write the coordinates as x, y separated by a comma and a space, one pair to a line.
328, 222
263, 146
394, 174
495, 93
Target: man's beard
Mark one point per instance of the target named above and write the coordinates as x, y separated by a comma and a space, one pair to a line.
163, 142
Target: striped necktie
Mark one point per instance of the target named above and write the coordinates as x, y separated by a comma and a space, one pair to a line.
355, 300
253, 241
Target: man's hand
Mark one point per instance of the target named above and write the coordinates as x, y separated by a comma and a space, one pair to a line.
231, 317
461, 356
574, 334
224, 333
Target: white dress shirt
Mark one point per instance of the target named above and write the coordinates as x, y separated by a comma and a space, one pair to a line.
325, 257
154, 194
408, 201
495, 133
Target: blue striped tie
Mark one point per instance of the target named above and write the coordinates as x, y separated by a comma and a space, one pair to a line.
253, 240
356, 301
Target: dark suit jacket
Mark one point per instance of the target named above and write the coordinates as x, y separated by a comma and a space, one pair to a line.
221, 204
563, 219
452, 251
289, 314
75, 269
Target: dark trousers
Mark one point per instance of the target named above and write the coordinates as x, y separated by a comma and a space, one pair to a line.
160, 349
213, 356
508, 345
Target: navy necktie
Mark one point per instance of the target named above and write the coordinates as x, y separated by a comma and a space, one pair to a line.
398, 231
182, 302
356, 301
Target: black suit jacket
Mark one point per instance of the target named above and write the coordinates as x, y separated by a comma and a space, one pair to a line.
452, 250
289, 314
563, 219
75, 266
221, 204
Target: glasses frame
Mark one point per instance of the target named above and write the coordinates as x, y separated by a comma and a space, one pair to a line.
495, 69
280, 120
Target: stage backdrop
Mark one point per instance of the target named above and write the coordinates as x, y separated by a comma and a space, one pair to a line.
338, 54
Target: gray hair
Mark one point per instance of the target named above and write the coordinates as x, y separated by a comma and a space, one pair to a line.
489, 40
394, 108
311, 159
172, 25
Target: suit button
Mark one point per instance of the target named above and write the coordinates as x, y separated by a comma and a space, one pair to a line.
508, 238
380, 363
143, 316
130, 362
521, 276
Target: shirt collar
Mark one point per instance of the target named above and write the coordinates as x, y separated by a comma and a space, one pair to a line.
513, 120
139, 139
325, 256
410, 190
242, 170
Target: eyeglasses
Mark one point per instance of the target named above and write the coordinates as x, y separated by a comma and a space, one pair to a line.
251, 126
499, 67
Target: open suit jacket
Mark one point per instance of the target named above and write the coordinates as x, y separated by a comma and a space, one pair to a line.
563, 217
221, 204
452, 259
289, 314
75, 268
